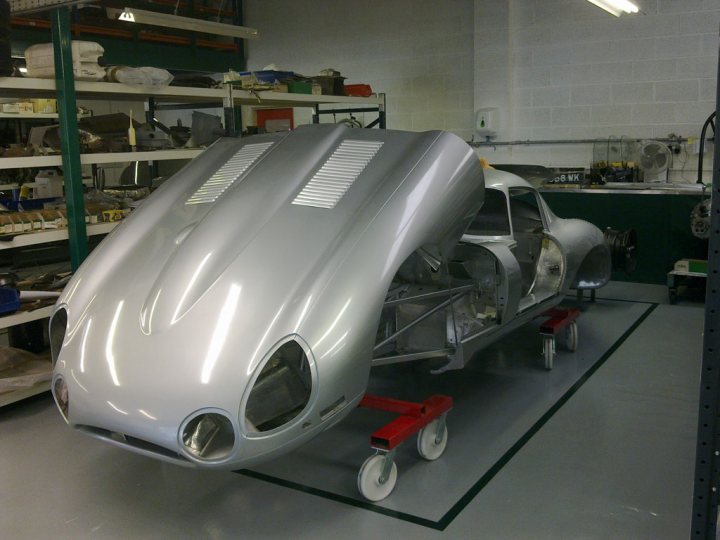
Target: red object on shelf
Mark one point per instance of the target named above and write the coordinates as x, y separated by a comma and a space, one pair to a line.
358, 90
413, 417
559, 319
263, 115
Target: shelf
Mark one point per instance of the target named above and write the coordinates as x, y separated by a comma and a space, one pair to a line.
21, 317
29, 87
11, 397
6, 321
639, 188
35, 116
90, 159
25, 115
26, 87
43, 237
281, 99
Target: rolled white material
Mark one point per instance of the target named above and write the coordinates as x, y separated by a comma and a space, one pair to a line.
29, 296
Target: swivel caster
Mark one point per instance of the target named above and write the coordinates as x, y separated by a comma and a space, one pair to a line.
377, 477
548, 351
432, 439
571, 337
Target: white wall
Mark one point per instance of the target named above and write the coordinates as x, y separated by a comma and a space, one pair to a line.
556, 69
419, 52
564, 69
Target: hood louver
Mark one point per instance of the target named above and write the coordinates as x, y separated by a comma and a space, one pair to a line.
338, 173
228, 174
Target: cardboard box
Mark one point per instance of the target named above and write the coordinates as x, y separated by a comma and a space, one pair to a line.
44, 106
17, 108
48, 185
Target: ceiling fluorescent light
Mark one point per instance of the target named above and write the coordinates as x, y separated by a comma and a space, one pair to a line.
616, 7
183, 23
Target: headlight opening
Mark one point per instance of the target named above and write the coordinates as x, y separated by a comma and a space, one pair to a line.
281, 391
58, 327
62, 399
209, 436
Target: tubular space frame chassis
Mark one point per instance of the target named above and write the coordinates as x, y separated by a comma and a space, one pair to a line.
451, 295
561, 321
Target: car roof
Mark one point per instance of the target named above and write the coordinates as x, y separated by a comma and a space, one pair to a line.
504, 181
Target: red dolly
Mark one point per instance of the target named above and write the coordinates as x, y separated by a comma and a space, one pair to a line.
378, 475
560, 320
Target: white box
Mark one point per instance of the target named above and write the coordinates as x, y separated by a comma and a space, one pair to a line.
48, 184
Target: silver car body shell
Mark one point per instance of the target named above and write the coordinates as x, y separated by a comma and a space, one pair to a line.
177, 310
585, 265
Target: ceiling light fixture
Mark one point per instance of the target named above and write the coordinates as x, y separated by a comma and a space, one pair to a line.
183, 23
616, 7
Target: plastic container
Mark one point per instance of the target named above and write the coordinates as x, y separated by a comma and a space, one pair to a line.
270, 76
9, 300
248, 79
299, 87
358, 90
40, 61
331, 86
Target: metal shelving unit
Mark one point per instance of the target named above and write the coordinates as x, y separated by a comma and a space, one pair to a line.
25, 316
45, 88
29, 116
43, 237
96, 159
707, 456
67, 90
11, 397
22, 317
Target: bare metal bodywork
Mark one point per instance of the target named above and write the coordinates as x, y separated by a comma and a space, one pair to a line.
237, 313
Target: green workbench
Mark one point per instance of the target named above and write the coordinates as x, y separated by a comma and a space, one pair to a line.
661, 217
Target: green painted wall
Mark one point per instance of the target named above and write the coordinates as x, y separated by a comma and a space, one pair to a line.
662, 223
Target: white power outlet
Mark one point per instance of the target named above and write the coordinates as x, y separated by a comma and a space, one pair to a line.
486, 122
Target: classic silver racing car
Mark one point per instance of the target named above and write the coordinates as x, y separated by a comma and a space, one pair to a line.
238, 312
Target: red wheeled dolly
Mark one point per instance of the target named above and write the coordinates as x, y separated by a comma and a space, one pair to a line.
560, 321
378, 475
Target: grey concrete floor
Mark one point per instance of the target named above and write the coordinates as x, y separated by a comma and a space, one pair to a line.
600, 447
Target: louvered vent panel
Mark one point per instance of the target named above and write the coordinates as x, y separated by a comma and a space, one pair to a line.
226, 175
331, 182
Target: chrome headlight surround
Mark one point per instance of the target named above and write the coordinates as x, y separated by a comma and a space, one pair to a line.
208, 435
270, 368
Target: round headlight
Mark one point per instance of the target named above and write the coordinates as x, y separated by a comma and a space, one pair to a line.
60, 392
281, 391
209, 436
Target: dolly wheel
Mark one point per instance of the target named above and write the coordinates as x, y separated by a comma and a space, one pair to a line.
370, 476
549, 351
571, 337
431, 443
